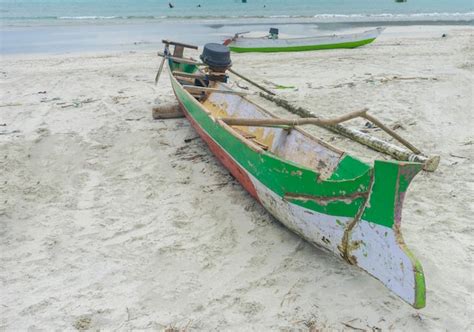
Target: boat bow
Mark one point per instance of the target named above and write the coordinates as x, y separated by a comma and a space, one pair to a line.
328, 197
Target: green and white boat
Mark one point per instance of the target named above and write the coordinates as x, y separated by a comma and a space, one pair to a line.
271, 43
328, 197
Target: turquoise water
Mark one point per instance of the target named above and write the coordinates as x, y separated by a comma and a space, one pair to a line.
61, 26
14, 12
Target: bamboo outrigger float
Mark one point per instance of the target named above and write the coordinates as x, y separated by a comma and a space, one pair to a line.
271, 43
328, 197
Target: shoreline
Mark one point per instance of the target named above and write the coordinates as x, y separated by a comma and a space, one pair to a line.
141, 36
239, 21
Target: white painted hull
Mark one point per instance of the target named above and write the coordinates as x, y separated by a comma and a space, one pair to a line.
264, 42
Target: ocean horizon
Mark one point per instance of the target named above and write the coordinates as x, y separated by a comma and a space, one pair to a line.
58, 26
47, 12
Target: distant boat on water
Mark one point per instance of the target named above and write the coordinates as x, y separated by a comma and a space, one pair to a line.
272, 43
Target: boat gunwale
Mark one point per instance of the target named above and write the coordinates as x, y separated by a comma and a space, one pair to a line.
258, 149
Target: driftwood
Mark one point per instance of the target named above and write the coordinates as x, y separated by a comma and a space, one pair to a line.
430, 163
167, 111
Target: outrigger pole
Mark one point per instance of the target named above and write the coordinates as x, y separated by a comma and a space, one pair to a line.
430, 163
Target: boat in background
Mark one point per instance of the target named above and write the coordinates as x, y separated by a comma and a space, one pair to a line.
328, 197
271, 43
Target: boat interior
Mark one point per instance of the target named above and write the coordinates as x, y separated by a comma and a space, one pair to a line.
291, 144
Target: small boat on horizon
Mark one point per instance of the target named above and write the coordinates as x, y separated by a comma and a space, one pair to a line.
272, 43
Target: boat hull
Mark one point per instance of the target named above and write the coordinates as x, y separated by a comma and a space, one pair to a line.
264, 45
300, 48
350, 226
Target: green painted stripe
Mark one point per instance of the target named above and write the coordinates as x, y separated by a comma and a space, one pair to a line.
301, 48
391, 180
285, 177
280, 176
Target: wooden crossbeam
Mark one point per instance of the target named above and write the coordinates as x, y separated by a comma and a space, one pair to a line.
292, 122
203, 89
170, 42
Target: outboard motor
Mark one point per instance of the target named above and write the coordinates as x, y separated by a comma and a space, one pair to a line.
273, 33
217, 57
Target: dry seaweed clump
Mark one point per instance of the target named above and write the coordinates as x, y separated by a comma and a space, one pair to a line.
83, 323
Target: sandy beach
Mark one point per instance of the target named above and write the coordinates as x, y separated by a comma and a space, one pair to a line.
110, 220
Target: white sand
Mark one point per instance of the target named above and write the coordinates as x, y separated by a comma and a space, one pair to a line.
109, 220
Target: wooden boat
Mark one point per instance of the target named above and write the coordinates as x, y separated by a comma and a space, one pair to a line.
325, 195
271, 43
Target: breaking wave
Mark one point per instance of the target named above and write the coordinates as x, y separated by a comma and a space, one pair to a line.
467, 16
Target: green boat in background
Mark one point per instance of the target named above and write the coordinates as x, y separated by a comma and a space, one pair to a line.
271, 43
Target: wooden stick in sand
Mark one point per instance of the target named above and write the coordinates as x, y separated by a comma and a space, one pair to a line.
158, 74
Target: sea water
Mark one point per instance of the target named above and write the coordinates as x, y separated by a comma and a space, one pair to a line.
13, 12
58, 26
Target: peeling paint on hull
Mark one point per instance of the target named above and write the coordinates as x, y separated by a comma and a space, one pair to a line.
359, 221
223, 157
